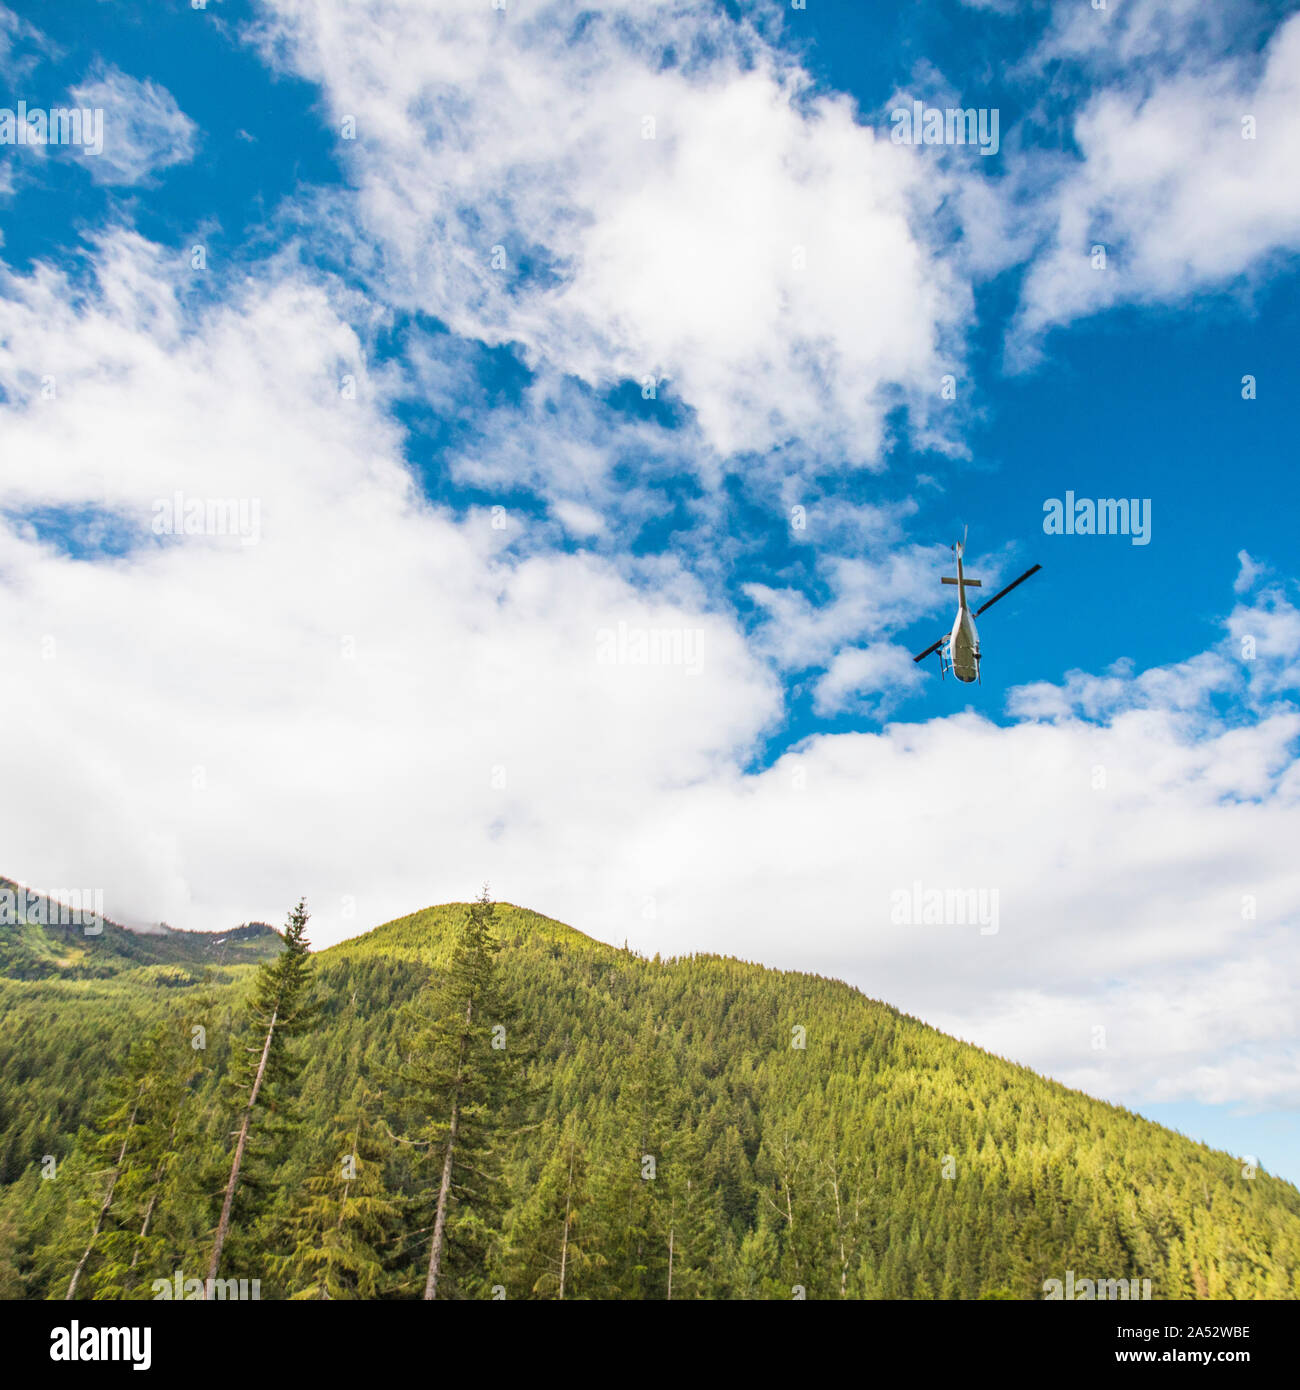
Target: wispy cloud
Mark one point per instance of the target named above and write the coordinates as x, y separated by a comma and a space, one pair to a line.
1185, 168
144, 129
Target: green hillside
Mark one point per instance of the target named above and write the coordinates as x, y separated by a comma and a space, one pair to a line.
48, 944
775, 1131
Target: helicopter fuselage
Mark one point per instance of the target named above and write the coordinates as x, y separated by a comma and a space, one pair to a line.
964, 640
964, 647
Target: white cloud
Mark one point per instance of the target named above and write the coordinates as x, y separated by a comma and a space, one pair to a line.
22, 46
1165, 180
404, 710
1184, 686
1266, 634
759, 256
1152, 35
1248, 573
557, 439
871, 679
144, 129
579, 520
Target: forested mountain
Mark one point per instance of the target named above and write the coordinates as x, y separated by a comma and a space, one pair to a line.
47, 939
481, 1102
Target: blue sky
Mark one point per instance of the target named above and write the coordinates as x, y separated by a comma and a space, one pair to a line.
498, 486
1138, 403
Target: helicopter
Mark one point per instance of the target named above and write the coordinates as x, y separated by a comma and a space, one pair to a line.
959, 650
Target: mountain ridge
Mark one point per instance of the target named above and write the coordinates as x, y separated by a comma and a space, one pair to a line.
49, 941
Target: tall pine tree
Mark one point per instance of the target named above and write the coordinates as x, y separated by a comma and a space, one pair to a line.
461, 1085
281, 1008
131, 1152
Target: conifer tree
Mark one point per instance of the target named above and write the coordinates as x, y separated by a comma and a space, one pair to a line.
689, 1212
462, 1085
11, 1280
117, 1135
549, 1240
754, 1265
133, 1143
339, 1231
636, 1249
157, 1176
281, 1008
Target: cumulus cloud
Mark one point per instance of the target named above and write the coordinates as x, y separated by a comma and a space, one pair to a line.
652, 195
361, 666
1185, 168
867, 680
1266, 634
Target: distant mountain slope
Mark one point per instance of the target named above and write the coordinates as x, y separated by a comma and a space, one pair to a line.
49, 945
804, 1135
